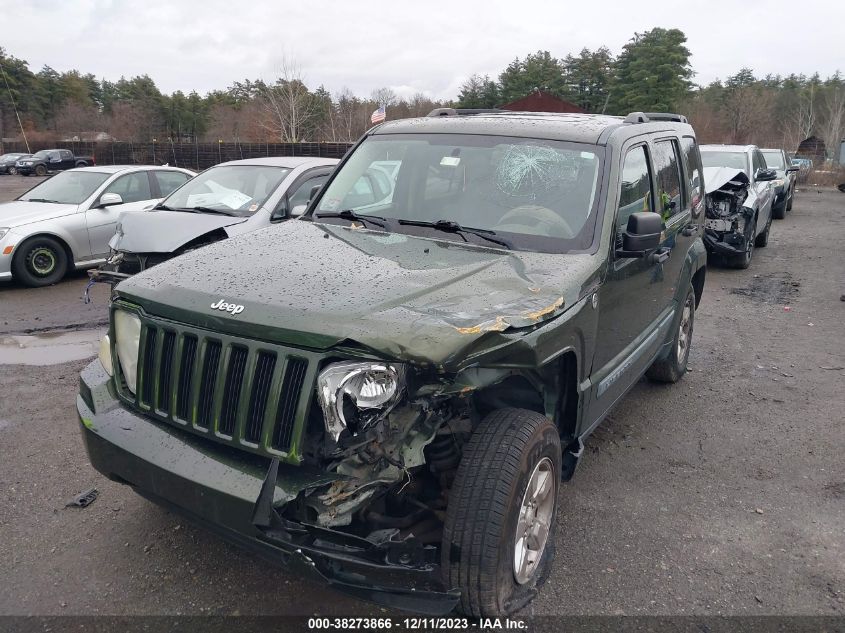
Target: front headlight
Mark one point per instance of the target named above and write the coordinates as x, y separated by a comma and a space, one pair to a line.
105, 355
127, 337
355, 395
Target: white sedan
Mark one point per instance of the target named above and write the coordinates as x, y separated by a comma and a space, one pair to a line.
67, 221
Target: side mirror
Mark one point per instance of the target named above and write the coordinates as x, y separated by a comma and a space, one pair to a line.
641, 235
763, 175
109, 200
298, 210
314, 191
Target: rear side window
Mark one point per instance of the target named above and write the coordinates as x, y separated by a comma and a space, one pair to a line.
635, 192
668, 168
170, 181
301, 196
692, 168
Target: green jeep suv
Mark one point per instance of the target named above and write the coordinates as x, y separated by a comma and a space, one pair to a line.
387, 393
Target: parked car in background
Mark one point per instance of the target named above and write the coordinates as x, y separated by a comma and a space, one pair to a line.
7, 162
804, 166
736, 229
387, 393
230, 198
67, 221
47, 160
784, 184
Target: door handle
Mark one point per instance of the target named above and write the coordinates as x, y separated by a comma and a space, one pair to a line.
660, 255
690, 230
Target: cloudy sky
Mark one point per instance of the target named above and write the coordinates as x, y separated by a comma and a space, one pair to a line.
429, 47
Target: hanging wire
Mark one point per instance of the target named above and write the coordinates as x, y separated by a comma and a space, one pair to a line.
14, 107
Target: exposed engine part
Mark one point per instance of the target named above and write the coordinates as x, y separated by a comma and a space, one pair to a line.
395, 450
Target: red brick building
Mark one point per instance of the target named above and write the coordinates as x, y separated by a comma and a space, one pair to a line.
539, 101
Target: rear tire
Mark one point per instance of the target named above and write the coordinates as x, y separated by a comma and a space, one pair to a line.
674, 366
40, 170
39, 261
499, 532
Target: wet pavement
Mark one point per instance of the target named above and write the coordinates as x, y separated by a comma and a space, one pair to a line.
723, 494
50, 348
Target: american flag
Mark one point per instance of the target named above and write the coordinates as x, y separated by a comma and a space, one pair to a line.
379, 115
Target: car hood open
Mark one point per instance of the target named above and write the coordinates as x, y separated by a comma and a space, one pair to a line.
165, 231
20, 212
404, 297
716, 178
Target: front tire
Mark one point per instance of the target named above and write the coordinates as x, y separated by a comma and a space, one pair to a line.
13, 171
499, 530
39, 261
40, 170
743, 260
674, 366
789, 200
762, 240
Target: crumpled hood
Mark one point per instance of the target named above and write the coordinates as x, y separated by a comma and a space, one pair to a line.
165, 231
313, 285
716, 177
20, 212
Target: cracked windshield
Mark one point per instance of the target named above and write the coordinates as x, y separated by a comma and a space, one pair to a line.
530, 194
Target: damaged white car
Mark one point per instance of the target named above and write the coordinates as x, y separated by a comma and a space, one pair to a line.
738, 206
228, 199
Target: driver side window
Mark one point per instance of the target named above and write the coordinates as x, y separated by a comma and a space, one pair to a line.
132, 187
635, 193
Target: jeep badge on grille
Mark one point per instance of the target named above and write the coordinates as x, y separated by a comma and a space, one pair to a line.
233, 308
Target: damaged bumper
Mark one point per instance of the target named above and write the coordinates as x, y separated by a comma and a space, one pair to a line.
238, 496
725, 242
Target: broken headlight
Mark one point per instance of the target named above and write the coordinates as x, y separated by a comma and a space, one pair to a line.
355, 395
127, 337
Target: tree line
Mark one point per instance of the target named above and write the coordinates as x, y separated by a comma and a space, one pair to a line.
652, 72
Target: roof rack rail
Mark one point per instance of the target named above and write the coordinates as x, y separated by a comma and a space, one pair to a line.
465, 111
645, 117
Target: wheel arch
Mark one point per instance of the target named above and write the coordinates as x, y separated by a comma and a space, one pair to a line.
552, 390
63, 242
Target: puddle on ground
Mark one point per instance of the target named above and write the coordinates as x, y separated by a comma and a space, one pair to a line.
49, 348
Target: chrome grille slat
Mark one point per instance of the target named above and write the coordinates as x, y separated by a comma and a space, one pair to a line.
165, 372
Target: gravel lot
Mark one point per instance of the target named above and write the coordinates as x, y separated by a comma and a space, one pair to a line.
724, 494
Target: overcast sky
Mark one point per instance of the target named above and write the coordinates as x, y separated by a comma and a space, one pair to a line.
420, 46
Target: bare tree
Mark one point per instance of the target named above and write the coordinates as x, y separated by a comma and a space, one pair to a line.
833, 112
75, 120
384, 97
291, 109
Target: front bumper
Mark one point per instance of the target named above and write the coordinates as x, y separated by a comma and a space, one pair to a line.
724, 243
25, 170
220, 488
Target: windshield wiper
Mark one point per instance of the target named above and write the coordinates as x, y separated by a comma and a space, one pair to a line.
349, 214
204, 210
42, 200
163, 207
450, 226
